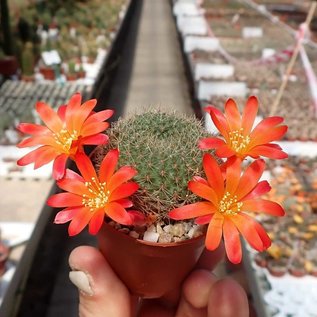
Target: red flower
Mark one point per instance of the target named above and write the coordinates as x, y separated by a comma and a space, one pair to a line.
90, 197
65, 133
227, 203
239, 138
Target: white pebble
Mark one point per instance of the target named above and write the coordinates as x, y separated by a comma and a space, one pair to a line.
134, 234
159, 229
192, 232
165, 237
150, 236
151, 228
178, 230
167, 228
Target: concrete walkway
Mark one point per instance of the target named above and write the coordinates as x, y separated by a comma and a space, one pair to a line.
158, 75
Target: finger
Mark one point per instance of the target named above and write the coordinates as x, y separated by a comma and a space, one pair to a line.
101, 292
154, 308
207, 261
210, 259
227, 299
195, 295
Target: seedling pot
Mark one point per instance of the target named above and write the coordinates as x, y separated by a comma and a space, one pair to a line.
149, 269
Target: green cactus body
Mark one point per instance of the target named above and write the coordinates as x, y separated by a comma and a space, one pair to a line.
163, 148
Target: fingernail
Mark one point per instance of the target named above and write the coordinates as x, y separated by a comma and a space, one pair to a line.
81, 280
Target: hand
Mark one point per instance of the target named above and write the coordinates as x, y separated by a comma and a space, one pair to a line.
102, 294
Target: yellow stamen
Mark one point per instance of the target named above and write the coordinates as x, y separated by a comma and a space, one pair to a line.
98, 196
65, 139
238, 141
229, 205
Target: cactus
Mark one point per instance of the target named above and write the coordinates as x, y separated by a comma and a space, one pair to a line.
27, 59
163, 149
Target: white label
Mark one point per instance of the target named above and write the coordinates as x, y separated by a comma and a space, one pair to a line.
252, 31
204, 70
208, 44
207, 89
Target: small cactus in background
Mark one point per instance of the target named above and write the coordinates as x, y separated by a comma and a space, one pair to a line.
163, 149
27, 59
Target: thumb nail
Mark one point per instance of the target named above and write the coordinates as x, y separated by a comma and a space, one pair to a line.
81, 280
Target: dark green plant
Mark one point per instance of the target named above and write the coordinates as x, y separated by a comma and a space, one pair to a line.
163, 148
5, 28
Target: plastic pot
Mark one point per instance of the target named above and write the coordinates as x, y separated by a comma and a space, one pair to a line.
149, 269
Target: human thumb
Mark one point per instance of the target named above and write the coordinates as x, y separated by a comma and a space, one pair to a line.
101, 292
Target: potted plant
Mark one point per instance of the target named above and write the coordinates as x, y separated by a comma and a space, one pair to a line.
158, 184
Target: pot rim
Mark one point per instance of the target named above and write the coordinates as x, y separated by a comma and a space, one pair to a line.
156, 244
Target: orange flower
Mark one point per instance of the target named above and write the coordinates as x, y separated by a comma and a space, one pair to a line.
227, 203
239, 138
65, 133
89, 197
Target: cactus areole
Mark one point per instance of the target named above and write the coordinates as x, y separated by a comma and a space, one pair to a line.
162, 147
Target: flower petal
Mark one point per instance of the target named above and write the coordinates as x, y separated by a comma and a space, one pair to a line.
125, 203
219, 120
49, 117
246, 228
71, 175
272, 134
232, 242
203, 220
38, 140
31, 128
82, 114
117, 213
73, 186
233, 173
265, 206
250, 178
192, 211
59, 166
108, 165
213, 173
249, 114
260, 189
232, 115
96, 221
225, 151
214, 232
96, 139
203, 191
210, 143
66, 215
261, 232
85, 167
99, 116
267, 150
47, 155
64, 200
32, 156
73, 106
61, 112
80, 221
94, 128
124, 191
122, 175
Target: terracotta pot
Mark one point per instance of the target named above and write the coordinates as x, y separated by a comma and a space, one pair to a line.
8, 65
149, 269
48, 73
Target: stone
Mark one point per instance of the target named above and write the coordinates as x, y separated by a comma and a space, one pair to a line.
151, 236
165, 237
